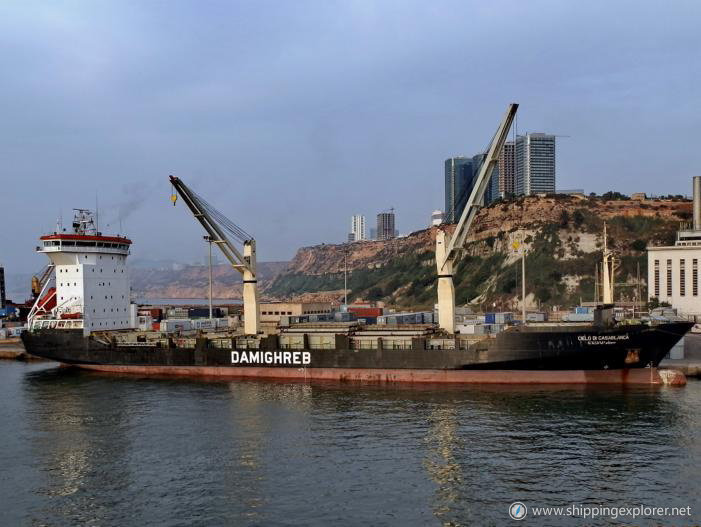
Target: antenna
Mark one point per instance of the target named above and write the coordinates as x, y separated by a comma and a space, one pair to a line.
97, 215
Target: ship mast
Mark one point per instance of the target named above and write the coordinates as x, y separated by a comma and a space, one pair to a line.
608, 271
217, 225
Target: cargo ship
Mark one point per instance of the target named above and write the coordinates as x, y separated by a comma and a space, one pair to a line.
84, 318
87, 320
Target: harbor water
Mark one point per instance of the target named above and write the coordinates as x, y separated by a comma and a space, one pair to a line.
82, 448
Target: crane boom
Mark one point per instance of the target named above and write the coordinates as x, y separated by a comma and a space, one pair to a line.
481, 182
447, 246
215, 223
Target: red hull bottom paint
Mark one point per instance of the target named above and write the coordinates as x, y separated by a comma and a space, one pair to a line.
630, 376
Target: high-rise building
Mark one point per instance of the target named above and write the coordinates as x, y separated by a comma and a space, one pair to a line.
385, 225
357, 228
535, 164
459, 179
491, 192
507, 170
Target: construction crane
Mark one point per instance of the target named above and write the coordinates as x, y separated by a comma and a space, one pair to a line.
217, 226
447, 246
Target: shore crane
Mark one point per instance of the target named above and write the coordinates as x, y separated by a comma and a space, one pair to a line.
217, 226
448, 246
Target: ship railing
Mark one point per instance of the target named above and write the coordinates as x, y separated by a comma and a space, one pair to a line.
292, 345
440, 344
321, 346
321, 341
244, 343
221, 343
55, 323
392, 344
363, 344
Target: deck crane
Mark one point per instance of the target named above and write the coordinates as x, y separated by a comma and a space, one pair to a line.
217, 225
447, 246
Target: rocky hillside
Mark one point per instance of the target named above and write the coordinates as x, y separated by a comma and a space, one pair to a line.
192, 281
562, 234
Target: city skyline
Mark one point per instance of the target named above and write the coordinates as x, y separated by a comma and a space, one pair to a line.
106, 104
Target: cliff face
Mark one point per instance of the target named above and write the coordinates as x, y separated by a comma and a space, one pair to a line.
562, 235
193, 281
327, 258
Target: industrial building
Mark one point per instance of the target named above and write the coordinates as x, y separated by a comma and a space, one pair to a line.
272, 311
535, 164
673, 271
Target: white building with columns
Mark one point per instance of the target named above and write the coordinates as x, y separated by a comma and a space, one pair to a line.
673, 271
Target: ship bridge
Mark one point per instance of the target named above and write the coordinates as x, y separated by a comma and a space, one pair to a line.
90, 287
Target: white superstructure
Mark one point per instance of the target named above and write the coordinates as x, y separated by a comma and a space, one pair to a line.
90, 284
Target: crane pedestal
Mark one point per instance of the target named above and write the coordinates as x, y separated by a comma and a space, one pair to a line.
446, 289
251, 310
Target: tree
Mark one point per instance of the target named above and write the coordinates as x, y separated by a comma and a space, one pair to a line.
638, 245
615, 196
564, 219
655, 303
374, 293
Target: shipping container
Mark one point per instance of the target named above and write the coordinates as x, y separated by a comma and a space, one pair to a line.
365, 311
498, 318
8, 312
470, 329
578, 317
144, 323
536, 316
171, 324
343, 317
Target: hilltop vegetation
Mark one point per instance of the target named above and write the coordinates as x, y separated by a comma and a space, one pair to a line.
562, 236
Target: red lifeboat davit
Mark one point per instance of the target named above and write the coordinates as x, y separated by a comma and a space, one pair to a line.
48, 301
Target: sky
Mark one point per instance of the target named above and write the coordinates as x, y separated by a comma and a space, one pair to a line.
289, 117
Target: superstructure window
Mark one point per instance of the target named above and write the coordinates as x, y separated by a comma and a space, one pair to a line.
669, 278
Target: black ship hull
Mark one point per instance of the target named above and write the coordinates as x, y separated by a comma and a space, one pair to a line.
628, 354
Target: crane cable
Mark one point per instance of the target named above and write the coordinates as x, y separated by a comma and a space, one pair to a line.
228, 225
